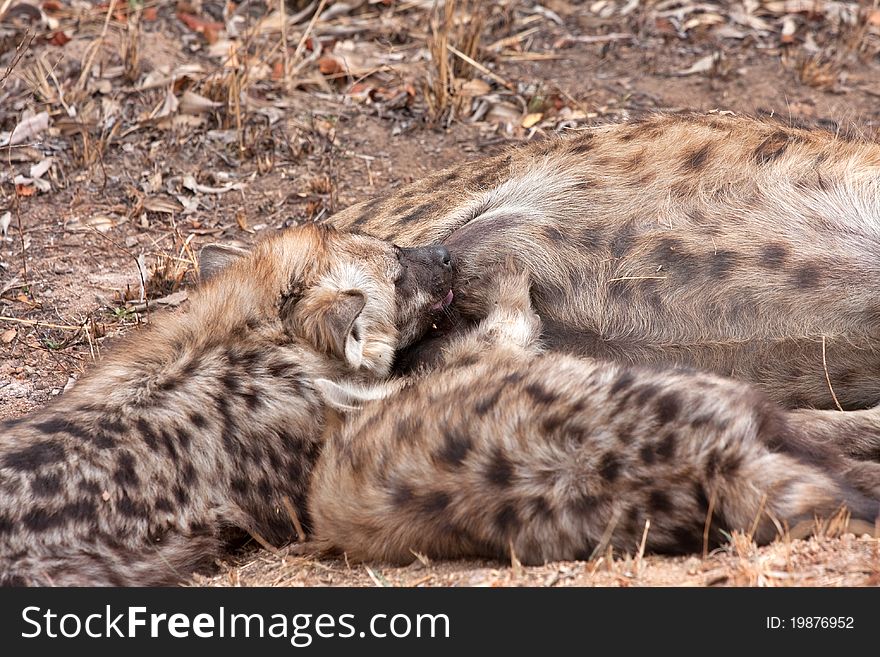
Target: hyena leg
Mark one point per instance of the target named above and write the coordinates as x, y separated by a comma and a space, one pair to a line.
853, 434
511, 323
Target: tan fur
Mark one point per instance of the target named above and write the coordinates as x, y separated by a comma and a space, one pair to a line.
725, 243
507, 451
204, 426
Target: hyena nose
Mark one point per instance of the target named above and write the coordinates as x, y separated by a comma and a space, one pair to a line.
441, 253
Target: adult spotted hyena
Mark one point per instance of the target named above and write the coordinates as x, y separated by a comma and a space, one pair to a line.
208, 422
507, 451
741, 246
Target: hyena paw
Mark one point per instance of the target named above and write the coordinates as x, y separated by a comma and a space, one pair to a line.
511, 286
512, 318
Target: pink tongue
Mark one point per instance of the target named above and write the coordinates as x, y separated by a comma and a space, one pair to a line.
446, 301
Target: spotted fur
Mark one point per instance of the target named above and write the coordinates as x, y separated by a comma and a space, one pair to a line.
508, 451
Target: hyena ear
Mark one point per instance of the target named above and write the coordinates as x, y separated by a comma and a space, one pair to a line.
347, 397
214, 258
328, 319
344, 335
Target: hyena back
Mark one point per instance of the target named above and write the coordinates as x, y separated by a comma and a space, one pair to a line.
207, 424
551, 457
742, 246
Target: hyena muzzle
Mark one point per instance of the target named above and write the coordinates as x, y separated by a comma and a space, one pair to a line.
206, 425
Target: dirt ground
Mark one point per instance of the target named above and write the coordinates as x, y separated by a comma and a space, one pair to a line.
133, 133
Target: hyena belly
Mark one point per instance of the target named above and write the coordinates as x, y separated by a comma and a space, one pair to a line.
559, 457
745, 247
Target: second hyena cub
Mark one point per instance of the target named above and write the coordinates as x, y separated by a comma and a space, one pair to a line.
208, 423
545, 456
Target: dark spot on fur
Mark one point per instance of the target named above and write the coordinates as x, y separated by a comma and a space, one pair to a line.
807, 276
408, 428
609, 467
713, 462
41, 520
182, 495
645, 393
633, 162
646, 453
624, 380
666, 448
695, 160
401, 495
623, 241
434, 503
198, 420
184, 438
499, 470
46, 485
722, 263
125, 473
583, 505
591, 239
552, 422
506, 519
487, 403
35, 456
540, 394
659, 502
668, 407
168, 442
147, 433
673, 258
539, 507
554, 234
89, 487
418, 214
163, 504
129, 508
188, 474
582, 145
168, 384
456, 445
773, 256
771, 148
60, 425
231, 383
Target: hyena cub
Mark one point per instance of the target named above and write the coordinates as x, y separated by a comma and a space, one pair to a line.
507, 450
208, 423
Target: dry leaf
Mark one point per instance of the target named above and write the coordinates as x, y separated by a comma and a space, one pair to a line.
532, 119
28, 129
7, 336
37, 170
331, 65
25, 190
241, 219
164, 205
193, 103
5, 220
702, 65
788, 29
475, 87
